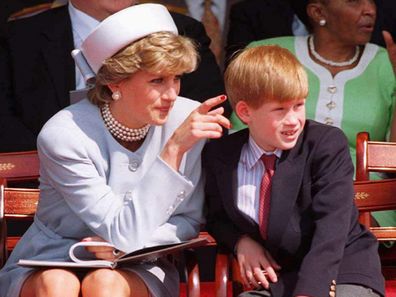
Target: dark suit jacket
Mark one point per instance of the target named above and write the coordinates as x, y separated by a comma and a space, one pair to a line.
386, 20
255, 20
37, 72
313, 230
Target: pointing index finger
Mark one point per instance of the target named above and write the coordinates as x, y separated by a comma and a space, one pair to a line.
207, 105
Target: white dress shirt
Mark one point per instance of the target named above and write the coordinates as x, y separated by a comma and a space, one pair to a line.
250, 174
298, 27
82, 26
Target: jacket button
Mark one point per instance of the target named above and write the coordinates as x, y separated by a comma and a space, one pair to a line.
170, 210
133, 166
328, 121
332, 89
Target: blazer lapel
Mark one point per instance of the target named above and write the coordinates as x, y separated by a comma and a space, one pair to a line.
227, 175
57, 44
285, 190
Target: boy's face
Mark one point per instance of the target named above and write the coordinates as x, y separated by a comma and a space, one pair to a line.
274, 124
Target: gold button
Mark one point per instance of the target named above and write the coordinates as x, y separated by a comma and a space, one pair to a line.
328, 121
332, 294
332, 89
331, 105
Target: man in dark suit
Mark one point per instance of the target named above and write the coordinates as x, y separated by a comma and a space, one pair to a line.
37, 71
292, 225
251, 20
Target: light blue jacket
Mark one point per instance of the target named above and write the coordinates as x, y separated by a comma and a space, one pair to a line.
91, 185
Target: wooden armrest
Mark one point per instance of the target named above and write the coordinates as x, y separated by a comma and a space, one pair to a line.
193, 279
3, 246
221, 276
193, 282
3, 226
227, 271
384, 233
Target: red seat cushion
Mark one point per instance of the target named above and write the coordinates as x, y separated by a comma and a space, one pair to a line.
208, 289
390, 288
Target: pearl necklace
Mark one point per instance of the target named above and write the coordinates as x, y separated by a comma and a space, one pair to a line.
329, 62
118, 130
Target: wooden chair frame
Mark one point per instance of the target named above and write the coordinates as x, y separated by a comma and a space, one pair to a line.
371, 195
373, 156
16, 204
377, 195
19, 166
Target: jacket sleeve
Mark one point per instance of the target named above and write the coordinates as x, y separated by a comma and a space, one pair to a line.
333, 213
163, 202
218, 223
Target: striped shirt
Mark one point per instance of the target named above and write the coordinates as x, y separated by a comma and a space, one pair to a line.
250, 173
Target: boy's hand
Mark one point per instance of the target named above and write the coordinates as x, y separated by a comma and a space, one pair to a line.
256, 265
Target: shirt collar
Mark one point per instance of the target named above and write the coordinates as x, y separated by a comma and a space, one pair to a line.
82, 23
255, 152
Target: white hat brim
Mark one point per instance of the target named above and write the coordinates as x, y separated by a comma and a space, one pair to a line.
123, 28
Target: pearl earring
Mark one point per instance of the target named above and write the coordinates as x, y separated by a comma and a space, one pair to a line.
322, 22
116, 95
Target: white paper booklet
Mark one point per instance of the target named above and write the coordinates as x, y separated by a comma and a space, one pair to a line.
149, 254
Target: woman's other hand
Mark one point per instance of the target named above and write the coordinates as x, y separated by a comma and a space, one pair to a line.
102, 252
256, 265
391, 48
202, 123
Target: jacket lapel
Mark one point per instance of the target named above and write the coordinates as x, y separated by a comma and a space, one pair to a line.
57, 44
227, 175
286, 185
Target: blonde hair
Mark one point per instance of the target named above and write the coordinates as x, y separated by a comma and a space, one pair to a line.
160, 52
264, 73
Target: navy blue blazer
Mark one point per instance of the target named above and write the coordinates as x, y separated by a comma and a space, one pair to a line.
313, 229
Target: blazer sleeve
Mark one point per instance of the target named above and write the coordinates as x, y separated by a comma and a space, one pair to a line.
218, 223
186, 221
14, 135
333, 213
163, 202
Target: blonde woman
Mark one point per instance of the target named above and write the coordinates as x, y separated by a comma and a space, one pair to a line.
122, 166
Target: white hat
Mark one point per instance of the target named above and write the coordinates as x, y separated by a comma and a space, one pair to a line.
119, 30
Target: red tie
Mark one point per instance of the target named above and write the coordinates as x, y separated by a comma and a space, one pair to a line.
265, 192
